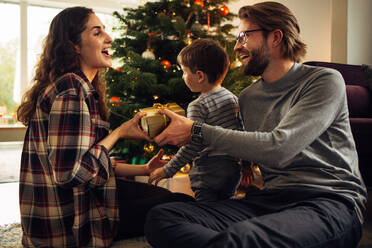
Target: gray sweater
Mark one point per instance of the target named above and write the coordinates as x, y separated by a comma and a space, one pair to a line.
298, 131
218, 108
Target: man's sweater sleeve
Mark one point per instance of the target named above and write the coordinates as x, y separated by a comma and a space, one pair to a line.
307, 119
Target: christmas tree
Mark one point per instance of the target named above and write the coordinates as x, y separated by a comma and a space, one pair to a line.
151, 36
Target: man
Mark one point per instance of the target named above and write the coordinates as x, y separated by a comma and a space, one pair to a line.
297, 131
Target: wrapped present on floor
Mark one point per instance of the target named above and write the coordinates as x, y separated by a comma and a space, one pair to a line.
154, 123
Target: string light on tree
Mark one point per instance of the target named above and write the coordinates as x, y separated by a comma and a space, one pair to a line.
175, 68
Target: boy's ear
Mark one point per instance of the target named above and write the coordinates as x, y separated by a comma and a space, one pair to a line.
201, 76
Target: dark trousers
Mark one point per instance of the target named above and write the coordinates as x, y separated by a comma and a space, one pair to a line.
135, 201
262, 219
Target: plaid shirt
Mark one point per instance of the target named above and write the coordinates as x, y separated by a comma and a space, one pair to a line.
67, 186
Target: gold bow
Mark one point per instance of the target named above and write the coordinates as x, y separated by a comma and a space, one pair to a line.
161, 106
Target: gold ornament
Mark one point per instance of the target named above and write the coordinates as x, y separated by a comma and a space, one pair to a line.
149, 148
188, 39
185, 169
235, 64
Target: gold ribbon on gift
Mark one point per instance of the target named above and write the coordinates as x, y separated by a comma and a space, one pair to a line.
165, 106
161, 106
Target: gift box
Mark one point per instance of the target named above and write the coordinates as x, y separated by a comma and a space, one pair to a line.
154, 123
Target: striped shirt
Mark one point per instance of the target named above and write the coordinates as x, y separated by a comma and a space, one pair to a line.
67, 185
218, 108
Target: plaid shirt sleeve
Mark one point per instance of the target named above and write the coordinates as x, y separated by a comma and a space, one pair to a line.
73, 154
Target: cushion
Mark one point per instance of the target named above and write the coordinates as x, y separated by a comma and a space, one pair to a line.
362, 133
359, 101
368, 71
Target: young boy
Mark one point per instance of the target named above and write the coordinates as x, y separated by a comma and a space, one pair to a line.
214, 175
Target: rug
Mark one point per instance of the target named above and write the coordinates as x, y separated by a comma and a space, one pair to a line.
11, 234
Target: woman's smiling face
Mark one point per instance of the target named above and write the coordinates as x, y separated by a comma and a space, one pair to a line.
94, 46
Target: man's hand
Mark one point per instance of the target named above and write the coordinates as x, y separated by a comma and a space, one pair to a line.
156, 162
156, 176
178, 132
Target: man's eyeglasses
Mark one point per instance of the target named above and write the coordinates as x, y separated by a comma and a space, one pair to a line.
242, 36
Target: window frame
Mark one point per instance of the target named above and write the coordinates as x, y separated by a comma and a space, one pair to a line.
16, 132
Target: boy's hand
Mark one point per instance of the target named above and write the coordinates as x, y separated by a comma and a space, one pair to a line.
156, 176
156, 162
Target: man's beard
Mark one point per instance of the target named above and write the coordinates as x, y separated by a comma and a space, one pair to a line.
259, 60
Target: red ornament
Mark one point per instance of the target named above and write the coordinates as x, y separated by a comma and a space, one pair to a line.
118, 69
151, 34
199, 2
166, 64
115, 101
224, 10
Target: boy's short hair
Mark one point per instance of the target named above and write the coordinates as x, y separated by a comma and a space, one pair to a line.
205, 55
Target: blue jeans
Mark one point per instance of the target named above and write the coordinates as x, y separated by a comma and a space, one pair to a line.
262, 219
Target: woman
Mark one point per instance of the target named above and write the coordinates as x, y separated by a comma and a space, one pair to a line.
69, 196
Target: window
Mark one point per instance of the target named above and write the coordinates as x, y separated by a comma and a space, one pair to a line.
38, 21
23, 29
9, 53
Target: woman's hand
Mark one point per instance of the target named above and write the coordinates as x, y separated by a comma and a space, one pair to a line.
128, 130
156, 162
156, 176
131, 130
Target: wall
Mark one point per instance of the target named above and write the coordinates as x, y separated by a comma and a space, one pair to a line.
339, 31
314, 20
334, 30
359, 32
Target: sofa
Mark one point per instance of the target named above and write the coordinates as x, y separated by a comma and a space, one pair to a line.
358, 80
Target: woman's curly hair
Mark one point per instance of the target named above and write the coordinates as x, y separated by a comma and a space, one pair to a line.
58, 57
